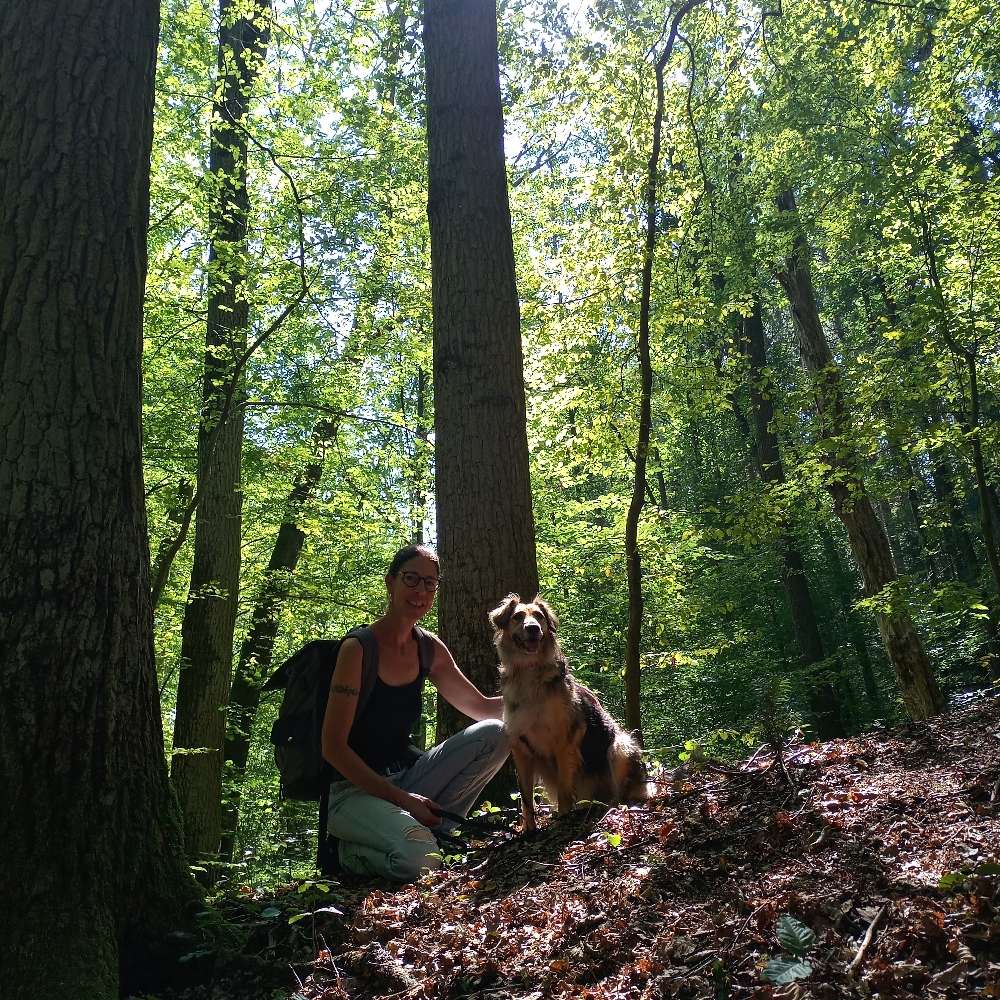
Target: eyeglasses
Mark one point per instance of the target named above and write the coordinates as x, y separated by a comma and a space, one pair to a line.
413, 580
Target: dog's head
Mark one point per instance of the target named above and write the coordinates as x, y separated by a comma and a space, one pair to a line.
524, 631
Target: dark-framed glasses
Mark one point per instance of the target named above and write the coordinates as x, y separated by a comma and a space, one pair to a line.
413, 580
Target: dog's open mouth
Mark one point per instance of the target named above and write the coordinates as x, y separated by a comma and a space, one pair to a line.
530, 643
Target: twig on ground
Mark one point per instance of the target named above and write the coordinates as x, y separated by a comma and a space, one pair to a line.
866, 943
752, 759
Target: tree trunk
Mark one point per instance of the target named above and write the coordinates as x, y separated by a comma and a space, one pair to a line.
255, 654
418, 458
824, 702
961, 546
633, 557
892, 536
844, 590
210, 616
866, 533
93, 873
486, 533
170, 545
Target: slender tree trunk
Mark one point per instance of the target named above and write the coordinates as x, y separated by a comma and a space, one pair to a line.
971, 424
960, 545
93, 875
170, 545
866, 533
486, 532
255, 654
844, 590
963, 551
210, 616
419, 458
633, 557
824, 702
885, 514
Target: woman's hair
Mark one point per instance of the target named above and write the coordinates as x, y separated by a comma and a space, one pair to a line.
408, 552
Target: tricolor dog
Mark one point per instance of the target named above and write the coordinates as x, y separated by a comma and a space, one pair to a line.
559, 732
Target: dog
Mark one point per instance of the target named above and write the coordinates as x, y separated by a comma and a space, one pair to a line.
559, 731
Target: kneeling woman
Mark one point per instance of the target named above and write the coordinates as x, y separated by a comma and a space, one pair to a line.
384, 805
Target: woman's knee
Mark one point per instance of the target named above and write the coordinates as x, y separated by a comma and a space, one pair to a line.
493, 734
414, 853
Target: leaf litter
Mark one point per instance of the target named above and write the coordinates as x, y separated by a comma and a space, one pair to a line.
872, 871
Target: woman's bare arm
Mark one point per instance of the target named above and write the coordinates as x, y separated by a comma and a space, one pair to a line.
458, 690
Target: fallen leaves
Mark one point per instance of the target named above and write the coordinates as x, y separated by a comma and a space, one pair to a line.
875, 875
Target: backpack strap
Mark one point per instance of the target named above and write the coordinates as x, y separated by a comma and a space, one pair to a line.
369, 664
369, 660
425, 651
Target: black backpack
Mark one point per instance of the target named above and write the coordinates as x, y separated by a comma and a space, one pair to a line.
297, 733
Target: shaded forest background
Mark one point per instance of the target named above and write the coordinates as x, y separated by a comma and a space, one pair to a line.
826, 176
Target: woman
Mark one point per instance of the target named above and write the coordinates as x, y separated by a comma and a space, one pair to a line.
383, 804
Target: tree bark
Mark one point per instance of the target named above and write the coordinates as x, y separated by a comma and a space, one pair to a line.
93, 873
845, 483
486, 534
824, 702
258, 647
210, 615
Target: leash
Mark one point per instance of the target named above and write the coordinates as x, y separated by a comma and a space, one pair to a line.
472, 825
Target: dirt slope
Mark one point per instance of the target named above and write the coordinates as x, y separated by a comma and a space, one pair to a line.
683, 899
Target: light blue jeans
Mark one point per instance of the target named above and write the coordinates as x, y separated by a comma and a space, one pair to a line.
378, 838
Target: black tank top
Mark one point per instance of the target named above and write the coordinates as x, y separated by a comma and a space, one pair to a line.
381, 735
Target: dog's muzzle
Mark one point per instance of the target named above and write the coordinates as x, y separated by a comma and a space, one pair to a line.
530, 638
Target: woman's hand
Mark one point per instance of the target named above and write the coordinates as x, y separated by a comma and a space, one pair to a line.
421, 808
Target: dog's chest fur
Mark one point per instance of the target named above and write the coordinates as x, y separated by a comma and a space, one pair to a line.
537, 708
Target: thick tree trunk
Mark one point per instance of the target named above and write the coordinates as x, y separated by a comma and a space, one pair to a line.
486, 533
93, 873
824, 702
866, 533
255, 654
210, 616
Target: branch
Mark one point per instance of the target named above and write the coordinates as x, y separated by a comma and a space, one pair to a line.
866, 943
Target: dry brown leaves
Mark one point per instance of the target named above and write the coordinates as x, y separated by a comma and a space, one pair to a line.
682, 899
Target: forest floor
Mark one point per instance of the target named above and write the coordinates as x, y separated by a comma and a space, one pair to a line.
886, 847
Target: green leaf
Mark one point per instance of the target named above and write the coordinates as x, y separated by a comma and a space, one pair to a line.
270, 912
785, 970
298, 916
794, 935
950, 881
614, 839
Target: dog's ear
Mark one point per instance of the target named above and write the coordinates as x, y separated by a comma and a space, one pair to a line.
500, 615
550, 615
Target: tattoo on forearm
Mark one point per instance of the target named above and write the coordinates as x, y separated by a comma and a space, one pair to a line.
345, 689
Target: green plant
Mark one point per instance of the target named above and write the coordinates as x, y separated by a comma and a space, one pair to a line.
797, 940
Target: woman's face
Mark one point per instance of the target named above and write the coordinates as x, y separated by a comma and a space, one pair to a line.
412, 589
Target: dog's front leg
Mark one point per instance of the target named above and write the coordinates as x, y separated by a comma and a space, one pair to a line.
524, 764
567, 766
